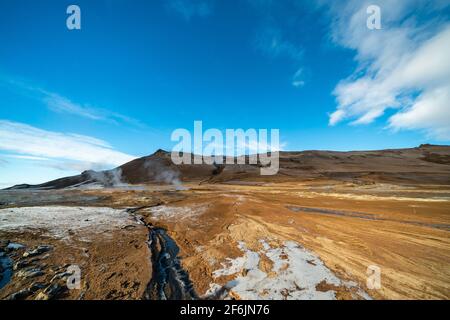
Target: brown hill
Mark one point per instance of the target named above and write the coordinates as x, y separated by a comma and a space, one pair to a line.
426, 164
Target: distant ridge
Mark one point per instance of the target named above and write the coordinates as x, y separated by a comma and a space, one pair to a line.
426, 164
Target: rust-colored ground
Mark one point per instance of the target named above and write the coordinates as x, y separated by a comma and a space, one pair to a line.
404, 230
407, 236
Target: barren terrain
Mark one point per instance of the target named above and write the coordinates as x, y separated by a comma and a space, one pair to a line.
311, 232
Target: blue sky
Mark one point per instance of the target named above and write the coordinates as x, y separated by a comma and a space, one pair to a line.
97, 97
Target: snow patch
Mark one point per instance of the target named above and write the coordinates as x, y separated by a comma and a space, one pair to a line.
169, 213
294, 275
61, 222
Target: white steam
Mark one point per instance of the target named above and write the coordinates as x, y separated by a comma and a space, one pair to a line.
162, 173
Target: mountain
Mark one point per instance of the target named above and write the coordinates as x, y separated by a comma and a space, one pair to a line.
426, 164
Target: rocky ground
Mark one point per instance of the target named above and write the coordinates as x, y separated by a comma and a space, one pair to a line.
304, 240
43, 245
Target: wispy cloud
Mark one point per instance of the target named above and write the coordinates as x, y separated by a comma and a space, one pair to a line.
273, 42
66, 151
189, 9
61, 104
242, 147
24, 157
58, 103
298, 78
404, 66
261, 147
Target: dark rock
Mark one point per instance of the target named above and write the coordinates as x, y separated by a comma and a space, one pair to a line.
39, 250
20, 295
20, 264
60, 275
41, 296
3, 244
13, 246
36, 286
54, 290
30, 273
45, 256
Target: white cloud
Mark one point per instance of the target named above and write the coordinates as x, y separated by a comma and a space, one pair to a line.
298, 78
404, 66
241, 147
432, 107
58, 103
68, 151
272, 43
191, 8
261, 147
61, 104
19, 156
